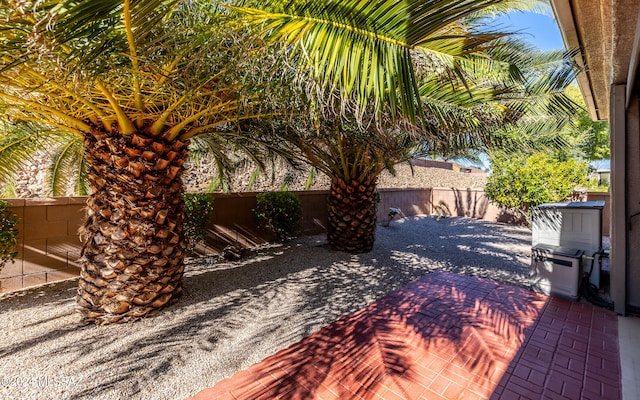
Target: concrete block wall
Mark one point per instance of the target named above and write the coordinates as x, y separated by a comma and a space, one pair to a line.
48, 243
410, 201
234, 222
49, 246
470, 203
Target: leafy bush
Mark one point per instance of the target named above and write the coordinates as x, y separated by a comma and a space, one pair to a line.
8, 234
198, 208
520, 183
280, 212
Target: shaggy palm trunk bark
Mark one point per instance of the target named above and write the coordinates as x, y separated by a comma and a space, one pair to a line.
352, 215
132, 263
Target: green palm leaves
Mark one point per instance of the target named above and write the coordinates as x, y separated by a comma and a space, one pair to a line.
72, 69
367, 49
122, 66
170, 68
25, 142
435, 62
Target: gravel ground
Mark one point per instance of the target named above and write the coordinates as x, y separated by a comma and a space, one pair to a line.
234, 314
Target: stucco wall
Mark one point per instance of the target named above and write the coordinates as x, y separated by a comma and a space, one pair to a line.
633, 201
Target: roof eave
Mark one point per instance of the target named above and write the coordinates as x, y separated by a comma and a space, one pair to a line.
566, 22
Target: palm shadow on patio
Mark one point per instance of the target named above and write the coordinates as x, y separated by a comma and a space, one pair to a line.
464, 328
235, 314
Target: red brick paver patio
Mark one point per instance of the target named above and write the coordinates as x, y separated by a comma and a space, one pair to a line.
446, 336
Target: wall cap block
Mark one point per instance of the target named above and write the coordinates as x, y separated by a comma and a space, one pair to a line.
417, 189
78, 200
47, 201
459, 189
15, 202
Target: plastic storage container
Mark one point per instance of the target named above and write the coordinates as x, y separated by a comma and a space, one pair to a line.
556, 270
573, 225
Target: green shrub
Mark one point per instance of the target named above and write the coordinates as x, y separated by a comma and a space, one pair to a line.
520, 183
8, 234
198, 208
280, 212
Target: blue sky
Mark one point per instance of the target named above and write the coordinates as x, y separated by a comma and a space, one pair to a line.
541, 30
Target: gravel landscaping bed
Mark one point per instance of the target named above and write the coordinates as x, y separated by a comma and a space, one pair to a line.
31, 181
234, 314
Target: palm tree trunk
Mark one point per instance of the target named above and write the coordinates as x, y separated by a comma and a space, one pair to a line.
132, 262
352, 215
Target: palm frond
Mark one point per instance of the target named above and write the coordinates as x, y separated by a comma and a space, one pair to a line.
90, 29
212, 147
68, 167
17, 146
365, 48
64, 154
509, 6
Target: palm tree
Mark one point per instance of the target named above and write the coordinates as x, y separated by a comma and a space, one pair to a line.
135, 81
354, 151
388, 94
122, 87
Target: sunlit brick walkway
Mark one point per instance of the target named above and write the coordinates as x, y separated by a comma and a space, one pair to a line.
446, 336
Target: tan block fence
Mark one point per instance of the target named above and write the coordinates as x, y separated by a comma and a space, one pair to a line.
49, 246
